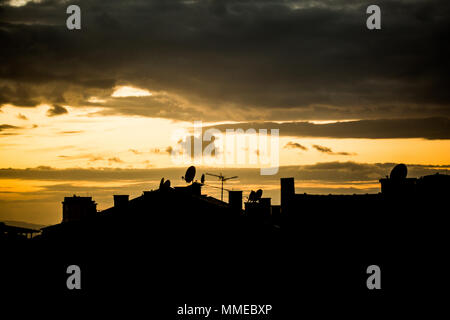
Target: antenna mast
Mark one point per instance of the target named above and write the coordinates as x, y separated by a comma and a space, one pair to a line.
222, 179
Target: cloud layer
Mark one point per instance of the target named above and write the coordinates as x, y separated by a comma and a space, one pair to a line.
322, 171
231, 60
428, 128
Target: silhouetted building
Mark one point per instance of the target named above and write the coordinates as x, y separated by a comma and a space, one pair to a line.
78, 208
14, 232
121, 201
399, 187
287, 191
193, 189
401, 199
436, 185
235, 200
259, 211
185, 210
276, 215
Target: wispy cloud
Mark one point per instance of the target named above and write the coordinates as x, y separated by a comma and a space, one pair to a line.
56, 110
295, 145
71, 132
7, 126
330, 152
21, 117
115, 160
89, 156
135, 151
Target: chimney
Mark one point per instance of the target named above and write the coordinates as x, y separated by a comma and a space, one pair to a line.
235, 200
287, 191
121, 201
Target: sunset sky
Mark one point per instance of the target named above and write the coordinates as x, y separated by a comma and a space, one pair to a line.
95, 111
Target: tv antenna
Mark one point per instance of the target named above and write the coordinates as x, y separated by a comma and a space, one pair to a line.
223, 179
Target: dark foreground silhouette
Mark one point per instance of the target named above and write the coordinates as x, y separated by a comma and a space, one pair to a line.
173, 246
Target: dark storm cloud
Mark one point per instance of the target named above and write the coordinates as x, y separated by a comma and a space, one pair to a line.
56, 111
233, 59
428, 128
158, 105
18, 94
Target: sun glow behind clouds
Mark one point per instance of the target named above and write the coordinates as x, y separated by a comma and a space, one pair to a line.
128, 91
20, 3
83, 138
96, 100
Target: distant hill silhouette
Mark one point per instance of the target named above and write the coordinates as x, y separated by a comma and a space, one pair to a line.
23, 224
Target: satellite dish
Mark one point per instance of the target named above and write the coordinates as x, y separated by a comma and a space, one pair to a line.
190, 174
161, 183
252, 196
166, 184
399, 172
202, 179
258, 194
